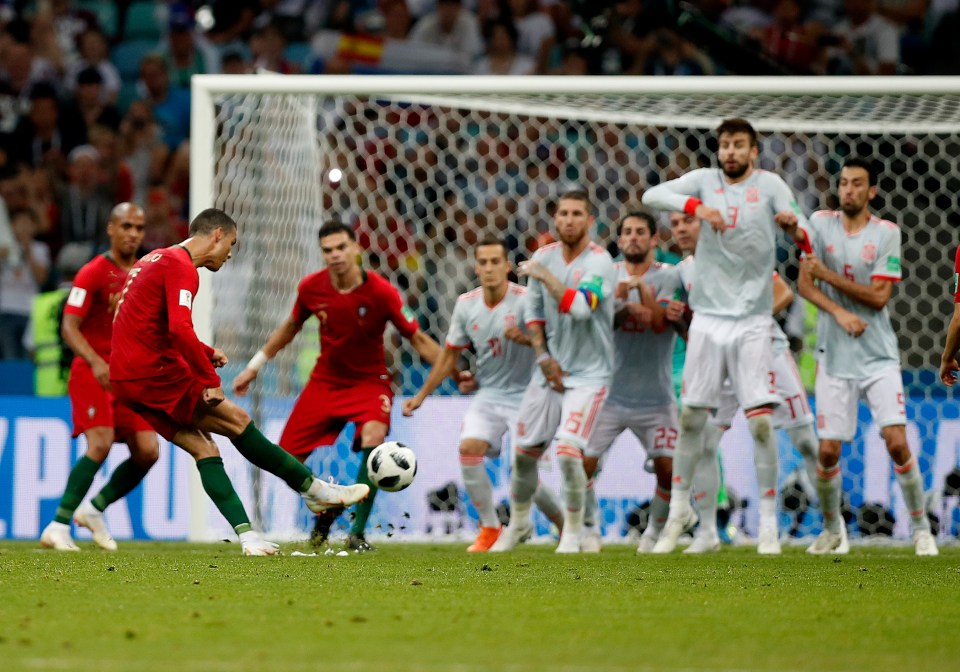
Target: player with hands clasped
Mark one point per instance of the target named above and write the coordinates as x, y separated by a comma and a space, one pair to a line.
852, 262
488, 318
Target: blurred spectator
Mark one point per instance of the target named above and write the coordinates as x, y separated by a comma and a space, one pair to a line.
575, 61
535, 31
453, 26
21, 70
67, 21
27, 189
672, 55
187, 52
142, 148
863, 43
907, 14
502, 57
91, 103
9, 250
268, 45
297, 19
235, 63
749, 17
788, 40
170, 106
95, 53
164, 226
116, 178
45, 137
83, 207
390, 18
21, 282
232, 20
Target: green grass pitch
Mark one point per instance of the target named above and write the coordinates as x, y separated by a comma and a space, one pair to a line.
434, 607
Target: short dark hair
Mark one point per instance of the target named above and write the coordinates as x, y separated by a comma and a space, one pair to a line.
576, 195
867, 164
210, 220
492, 240
738, 125
336, 226
650, 220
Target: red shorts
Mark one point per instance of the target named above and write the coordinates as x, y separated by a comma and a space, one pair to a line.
167, 403
92, 406
322, 410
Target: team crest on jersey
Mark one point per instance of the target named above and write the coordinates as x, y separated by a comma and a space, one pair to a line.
510, 320
869, 252
362, 311
474, 327
753, 195
577, 274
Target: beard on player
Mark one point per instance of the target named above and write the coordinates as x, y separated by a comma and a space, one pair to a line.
734, 169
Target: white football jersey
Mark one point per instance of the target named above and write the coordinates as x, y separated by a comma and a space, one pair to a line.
873, 252
643, 363
734, 268
583, 348
503, 367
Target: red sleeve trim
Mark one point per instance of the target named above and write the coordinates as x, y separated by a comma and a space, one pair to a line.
567, 300
690, 207
885, 277
529, 322
455, 347
804, 244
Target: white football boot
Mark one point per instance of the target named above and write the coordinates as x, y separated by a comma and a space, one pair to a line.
924, 543
323, 495
648, 540
251, 543
830, 543
590, 540
704, 541
87, 516
512, 536
57, 536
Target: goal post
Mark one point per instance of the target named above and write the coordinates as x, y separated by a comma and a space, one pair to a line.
423, 166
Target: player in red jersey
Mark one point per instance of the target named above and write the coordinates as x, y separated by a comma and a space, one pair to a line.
162, 371
86, 328
350, 382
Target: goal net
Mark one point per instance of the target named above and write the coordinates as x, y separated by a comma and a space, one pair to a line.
424, 167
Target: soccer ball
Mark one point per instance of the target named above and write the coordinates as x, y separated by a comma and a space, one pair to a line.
392, 466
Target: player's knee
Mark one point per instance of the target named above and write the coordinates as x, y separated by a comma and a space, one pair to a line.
98, 451
829, 453
693, 419
761, 427
146, 455
899, 451
474, 448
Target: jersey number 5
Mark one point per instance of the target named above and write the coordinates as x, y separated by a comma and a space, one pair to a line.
496, 347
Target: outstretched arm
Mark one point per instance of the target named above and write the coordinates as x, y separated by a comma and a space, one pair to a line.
445, 365
278, 340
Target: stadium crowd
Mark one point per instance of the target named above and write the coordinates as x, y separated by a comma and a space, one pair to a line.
94, 95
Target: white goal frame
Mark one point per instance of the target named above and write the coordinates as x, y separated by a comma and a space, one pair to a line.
449, 90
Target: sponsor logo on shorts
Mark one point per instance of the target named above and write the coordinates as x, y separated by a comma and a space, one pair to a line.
521, 429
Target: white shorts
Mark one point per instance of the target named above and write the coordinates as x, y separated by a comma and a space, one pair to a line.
794, 409
719, 348
655, 427
488, 422
569, 416
837, 402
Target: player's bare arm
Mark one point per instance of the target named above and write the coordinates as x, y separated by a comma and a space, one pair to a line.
948, 361
782, 295
874, 296
537, 271
73, 337
278, 340
430, 352
548, 365
219, 358
712, 217
446, 365
849, 322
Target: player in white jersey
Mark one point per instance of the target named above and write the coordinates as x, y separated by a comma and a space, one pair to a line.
488, 318
731, 297
571, 312
641, 396
855, 256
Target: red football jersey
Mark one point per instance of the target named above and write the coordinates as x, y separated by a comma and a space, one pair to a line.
153, 327
352, 325
956, 277
94, 298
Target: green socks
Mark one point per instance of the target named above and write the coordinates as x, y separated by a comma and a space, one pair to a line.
219, 488
362, 512
123, 479
263, 453
81, 476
